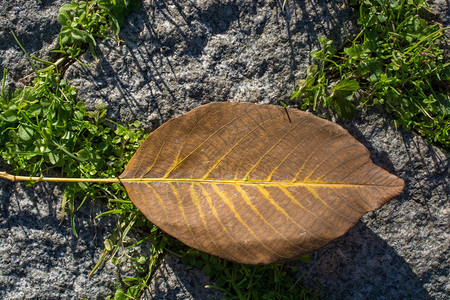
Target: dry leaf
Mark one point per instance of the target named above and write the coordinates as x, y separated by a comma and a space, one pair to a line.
255, 184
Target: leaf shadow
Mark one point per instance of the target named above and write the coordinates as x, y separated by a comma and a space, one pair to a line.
361, 265
388, 254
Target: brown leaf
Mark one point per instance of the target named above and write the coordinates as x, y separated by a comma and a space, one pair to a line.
243, 182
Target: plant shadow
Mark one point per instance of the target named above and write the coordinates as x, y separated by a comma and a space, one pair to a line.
361, 265
175, 280
177, 55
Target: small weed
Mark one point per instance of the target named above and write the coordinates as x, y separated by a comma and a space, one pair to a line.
45, 129
395, 61
239, 281
143, 266
83, 21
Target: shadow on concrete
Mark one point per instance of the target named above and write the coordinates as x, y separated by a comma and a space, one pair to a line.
361, 265
30, 217
160, 38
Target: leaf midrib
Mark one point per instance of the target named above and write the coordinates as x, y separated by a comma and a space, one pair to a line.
252, 182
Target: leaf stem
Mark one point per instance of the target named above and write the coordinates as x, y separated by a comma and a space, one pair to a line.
13, 178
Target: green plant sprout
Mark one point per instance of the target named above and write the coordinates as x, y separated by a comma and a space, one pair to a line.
83, 21
395, 61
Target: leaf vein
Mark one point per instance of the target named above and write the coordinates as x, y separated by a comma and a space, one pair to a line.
216, 215
266, 195
327, 158
238, 216
202, 216
255, 209
314, 193
273, 147
234, 146
314, 151
181, 207
201, 144
295, 201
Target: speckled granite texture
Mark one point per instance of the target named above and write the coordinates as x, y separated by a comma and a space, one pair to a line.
400, 251
39, 257
177, 55
36, 26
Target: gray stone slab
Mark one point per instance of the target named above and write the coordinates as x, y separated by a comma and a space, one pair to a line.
35, 24
179, 54
39, 256
176, 56
401, 250
174, 280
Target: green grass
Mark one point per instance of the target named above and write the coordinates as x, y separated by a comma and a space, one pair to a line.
395, 62
83, 21
239, 281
